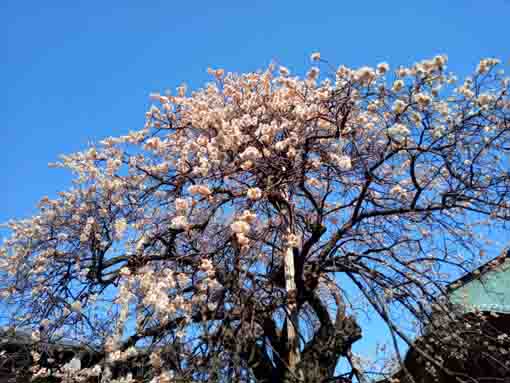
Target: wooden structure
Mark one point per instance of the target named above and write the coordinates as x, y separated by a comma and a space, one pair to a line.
481, 293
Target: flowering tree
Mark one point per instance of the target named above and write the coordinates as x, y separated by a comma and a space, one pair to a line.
234, 237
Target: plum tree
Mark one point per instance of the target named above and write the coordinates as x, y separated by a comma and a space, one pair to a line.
235, 236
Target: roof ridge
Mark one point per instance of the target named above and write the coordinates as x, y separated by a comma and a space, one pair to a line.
480, 270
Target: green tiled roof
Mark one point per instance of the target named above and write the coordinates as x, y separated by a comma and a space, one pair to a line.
485, 289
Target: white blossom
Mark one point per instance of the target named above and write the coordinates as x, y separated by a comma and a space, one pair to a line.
179, 222
398, 131
120, 227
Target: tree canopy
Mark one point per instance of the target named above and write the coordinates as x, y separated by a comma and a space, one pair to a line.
240, 232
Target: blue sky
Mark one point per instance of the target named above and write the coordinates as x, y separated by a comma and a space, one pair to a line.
76, 71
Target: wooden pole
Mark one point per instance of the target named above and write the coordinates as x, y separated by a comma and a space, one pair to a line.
292, 320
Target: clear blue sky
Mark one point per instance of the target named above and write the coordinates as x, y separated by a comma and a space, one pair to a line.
75, 71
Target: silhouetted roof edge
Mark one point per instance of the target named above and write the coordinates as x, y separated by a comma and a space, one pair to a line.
479, 271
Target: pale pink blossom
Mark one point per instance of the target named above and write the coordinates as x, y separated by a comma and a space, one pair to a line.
254, 193
241, 227
179, 222
199, 189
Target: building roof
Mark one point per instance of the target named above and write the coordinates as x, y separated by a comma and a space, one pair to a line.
479, 271
486, 288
